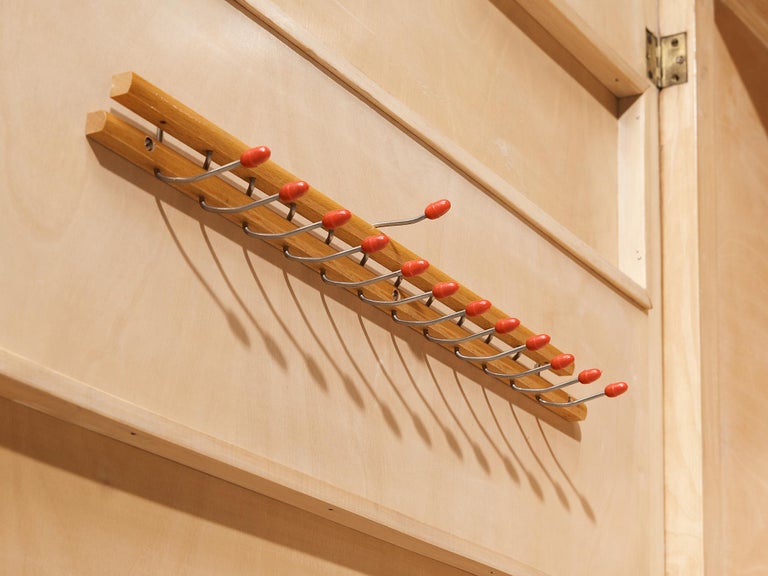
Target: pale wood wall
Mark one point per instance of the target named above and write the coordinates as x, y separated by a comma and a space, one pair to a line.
116, 281
733, 179
76, 502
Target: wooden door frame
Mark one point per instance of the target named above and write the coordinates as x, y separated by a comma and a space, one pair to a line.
685, 437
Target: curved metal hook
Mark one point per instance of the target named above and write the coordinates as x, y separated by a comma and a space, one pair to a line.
474, 308
248, 159
440, 290
432, 211
502, 326
585, 377
330, 221
557, 363
533, 343
368, 245
288, 193
409, 269
611, 391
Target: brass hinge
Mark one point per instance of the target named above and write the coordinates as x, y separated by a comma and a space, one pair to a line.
666, 60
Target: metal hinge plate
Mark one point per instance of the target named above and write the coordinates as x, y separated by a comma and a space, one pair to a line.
666, 60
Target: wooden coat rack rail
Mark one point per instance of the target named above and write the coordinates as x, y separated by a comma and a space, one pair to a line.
149, 152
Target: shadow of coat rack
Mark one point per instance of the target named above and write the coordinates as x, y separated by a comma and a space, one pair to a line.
308, 227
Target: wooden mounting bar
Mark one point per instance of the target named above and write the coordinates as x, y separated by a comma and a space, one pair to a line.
179, 121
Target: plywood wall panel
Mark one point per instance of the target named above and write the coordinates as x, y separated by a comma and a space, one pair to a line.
116, 281
733, 146
76, 502
475, 75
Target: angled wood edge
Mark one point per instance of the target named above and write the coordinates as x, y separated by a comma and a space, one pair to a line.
561, 20
33, 385
486, 179
754, 15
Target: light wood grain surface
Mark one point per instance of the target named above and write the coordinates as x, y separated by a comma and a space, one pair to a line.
118, 282
753, 15
453, 151
78, 502
163, 110
683, 465
481, 82
733, 146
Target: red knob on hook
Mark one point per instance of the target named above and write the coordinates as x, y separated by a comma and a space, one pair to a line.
561, 361
444, 289
255, 156
292, 191
536, 342
506, 325
336, 218
437, 209
616, 389
413, 268
374, 243
478, 307
590, 375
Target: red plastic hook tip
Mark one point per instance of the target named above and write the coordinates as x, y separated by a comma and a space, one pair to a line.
336, 218
478, 307
255, 156
506, 325
561, 361
616, 389
536, 342
374, 243
414, 268
444, 289
590, 375
437, 209
292, 191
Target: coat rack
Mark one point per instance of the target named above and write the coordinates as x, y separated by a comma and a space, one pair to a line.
374, 266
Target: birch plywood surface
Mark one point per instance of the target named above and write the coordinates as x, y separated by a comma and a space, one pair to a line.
477, 77
139, 294
734, 144
75, 502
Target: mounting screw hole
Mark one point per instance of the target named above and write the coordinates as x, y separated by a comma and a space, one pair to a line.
149, 144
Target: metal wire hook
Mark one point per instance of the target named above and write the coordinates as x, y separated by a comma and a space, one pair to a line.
369, 245
432, 211
503, 326
533, 343
440, 290
585, 377
248, 159
557, 363
288, 193
330, 221
407, 270
474, 308
611, 391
